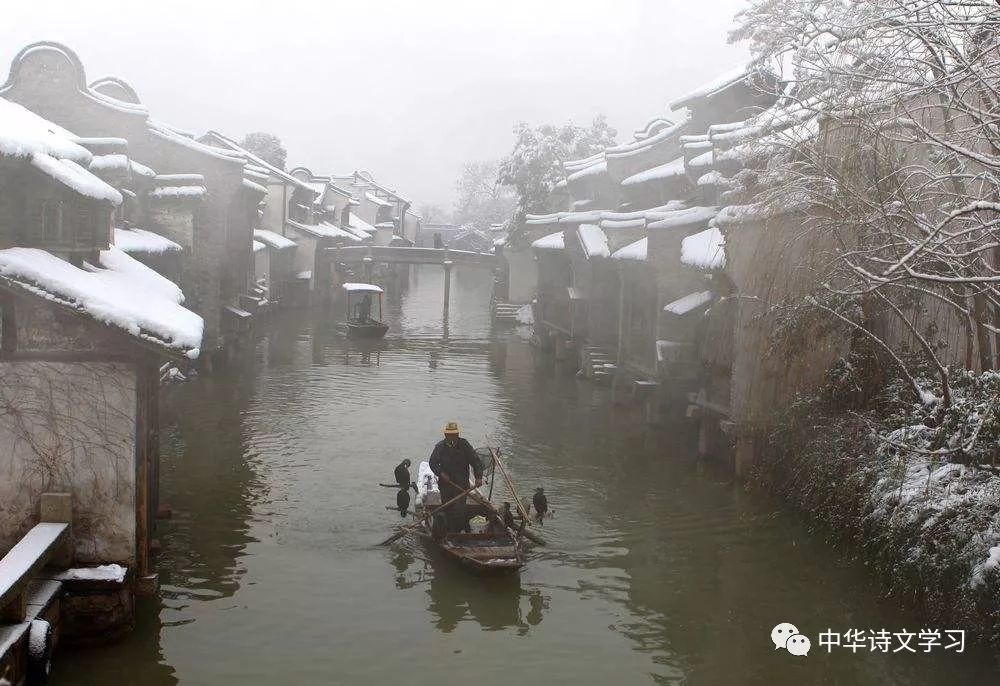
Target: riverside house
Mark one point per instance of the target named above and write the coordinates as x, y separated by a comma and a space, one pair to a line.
203, 200
84, 331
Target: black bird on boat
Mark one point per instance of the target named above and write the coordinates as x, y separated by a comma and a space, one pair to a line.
540, 502
508, 516
402, 473
403, 501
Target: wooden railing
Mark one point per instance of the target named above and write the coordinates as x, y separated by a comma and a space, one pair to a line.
41, 545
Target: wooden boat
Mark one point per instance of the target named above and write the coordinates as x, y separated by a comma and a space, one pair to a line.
364, 311
488, 550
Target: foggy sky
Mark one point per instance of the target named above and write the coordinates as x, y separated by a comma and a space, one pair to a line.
407, 90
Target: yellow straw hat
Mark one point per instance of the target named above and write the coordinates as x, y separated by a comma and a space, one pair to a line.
451, 428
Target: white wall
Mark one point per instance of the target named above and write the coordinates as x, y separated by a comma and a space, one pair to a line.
523, 274
70, 427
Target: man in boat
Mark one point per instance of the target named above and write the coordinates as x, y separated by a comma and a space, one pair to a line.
453, 457
364, 308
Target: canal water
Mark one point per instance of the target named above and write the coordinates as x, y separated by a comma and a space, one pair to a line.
660, 569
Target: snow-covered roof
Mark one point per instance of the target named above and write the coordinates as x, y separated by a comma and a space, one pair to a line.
231, 147
72, 175
687, 217
113, 162
274, 240
702, 161
23, 134
253, 186
594, 216
324, 230
258, 246
593, 240
719, 83
51, 150
140, 241
377, 200
576, 165
121, 292
704, 250
164, 192
689, 302
361, 288
637, 147
596, 169
633, 251
554, 241
320, 188
360, 224
673, 168
608, 224
713, 178
652, 127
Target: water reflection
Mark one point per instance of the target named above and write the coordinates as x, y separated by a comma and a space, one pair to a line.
493, 604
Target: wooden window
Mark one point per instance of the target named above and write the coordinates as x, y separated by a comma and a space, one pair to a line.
83, 225
44, 219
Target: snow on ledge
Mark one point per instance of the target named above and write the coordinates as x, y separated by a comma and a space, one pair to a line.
129, 296
672, 169
689, 302
554, 241
140, 241
594, 241
273, 239
704, 250
112, 573
361, 288
633, 251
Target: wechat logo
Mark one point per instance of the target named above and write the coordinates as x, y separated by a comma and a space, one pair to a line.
787, 636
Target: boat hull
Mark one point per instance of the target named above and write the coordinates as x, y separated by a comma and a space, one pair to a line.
374, 330
480, 554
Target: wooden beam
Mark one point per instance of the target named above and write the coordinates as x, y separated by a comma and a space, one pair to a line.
24, 560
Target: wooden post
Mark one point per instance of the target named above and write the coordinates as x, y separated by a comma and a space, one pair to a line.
369, 263
447, 287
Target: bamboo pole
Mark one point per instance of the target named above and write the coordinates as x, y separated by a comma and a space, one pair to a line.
513, 494
412, 527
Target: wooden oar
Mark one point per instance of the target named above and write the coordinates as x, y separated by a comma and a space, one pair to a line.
513, 494
407, 529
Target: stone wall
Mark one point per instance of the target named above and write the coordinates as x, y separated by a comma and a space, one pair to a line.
70, 427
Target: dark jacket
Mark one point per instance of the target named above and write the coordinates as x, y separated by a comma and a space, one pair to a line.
455, 461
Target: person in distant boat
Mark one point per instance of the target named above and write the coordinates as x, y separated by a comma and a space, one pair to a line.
540, 502
363, 310
453, 457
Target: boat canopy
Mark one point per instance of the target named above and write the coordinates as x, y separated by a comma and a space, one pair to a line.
362, 288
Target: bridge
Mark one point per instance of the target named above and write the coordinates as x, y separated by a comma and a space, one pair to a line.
369, 255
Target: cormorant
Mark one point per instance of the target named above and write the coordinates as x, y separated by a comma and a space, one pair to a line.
540, 502
508, 516
403, 501
402, 474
